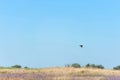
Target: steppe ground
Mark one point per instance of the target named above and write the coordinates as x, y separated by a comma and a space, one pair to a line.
59, 73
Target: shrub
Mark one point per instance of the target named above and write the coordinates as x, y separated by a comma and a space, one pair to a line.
117, 67
76, 65
88, 65
100, 66
26, 67
16, 66
95, 66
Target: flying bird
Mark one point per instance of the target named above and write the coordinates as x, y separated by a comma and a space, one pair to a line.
81, 46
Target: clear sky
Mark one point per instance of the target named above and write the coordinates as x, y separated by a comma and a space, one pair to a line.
45, 33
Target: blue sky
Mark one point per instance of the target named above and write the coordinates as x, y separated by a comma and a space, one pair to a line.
45, 33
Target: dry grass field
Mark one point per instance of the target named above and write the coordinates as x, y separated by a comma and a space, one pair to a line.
59, 73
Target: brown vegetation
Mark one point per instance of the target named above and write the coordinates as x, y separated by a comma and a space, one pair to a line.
67, 73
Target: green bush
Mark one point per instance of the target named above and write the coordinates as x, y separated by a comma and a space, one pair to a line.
88, 65
76, 65
95, 66
100, 66
117, 67
26, 67
16, 66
